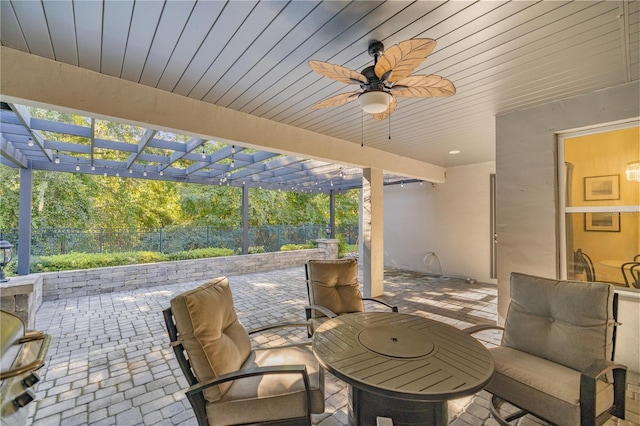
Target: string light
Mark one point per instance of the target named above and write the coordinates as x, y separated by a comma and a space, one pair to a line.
161, 173
30, 142
57, 159
77, 165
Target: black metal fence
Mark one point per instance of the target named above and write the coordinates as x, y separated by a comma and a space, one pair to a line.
52, 241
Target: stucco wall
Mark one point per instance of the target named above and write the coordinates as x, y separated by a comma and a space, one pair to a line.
526, 184
450, 219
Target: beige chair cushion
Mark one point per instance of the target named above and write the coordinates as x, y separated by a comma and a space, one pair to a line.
568, 322
546, 388
214, 338
333, 284
270, 397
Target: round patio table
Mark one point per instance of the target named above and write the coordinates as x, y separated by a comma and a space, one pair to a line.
400, 366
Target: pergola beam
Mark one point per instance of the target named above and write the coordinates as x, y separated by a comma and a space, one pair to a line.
25, 119
12, 154
142, 144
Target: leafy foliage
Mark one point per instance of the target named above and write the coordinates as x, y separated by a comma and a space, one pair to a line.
291, 247
73, 261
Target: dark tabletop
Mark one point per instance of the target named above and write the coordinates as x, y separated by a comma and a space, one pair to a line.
403, 356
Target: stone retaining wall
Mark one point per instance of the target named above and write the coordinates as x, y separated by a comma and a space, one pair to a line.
22, 296
64, 284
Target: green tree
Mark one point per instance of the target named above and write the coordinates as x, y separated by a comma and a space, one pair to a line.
9, 196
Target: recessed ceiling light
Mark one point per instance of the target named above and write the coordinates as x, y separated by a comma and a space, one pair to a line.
454, 152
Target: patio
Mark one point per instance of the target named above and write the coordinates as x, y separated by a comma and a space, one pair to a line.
110, 361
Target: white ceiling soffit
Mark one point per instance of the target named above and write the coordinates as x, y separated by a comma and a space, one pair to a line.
252, 57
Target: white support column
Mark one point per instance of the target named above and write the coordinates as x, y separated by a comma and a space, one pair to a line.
372, 224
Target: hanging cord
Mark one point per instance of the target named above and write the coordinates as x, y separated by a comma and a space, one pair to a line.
362, 129
389, 126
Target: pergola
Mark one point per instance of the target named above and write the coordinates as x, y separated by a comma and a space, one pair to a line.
40, 144
32, 143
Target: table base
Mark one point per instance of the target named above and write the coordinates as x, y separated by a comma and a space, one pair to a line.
365, 407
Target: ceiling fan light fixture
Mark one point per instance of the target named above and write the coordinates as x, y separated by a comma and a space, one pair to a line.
374, 102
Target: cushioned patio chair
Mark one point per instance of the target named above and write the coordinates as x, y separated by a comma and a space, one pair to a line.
229, 382
555, 359
332, 287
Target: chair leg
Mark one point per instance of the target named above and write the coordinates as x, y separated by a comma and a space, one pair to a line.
495, 412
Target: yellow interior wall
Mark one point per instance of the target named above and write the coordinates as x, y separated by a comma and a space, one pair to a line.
605, 154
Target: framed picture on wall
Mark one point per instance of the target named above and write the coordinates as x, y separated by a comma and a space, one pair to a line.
602, 188
602, 222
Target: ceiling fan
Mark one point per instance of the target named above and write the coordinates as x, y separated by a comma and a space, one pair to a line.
387, 78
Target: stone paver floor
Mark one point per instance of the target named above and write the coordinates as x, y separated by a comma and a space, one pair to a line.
110, 363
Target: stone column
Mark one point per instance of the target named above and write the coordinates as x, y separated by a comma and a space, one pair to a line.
330, 248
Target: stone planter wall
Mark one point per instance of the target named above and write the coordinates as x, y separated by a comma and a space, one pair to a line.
64, 284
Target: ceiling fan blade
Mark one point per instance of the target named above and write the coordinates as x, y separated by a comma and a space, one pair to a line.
402, 58
423, 86
392, 107
340, 99
337, 72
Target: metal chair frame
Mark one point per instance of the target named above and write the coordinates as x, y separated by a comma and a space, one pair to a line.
632, 279
587, 265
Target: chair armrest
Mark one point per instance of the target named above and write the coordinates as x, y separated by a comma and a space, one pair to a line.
194, 393
251, 372
392, 307
325, 311
588, 380
482, 327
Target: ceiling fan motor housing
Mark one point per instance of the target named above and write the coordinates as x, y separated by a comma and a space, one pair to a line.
373, 82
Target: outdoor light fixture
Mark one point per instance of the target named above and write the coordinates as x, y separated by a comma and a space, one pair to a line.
30, 142
374, 102
328, 231
633, 171
5, 257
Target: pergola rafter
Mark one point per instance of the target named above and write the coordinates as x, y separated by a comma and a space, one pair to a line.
44, 144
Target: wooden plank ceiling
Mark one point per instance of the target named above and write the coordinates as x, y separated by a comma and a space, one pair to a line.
252, 57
